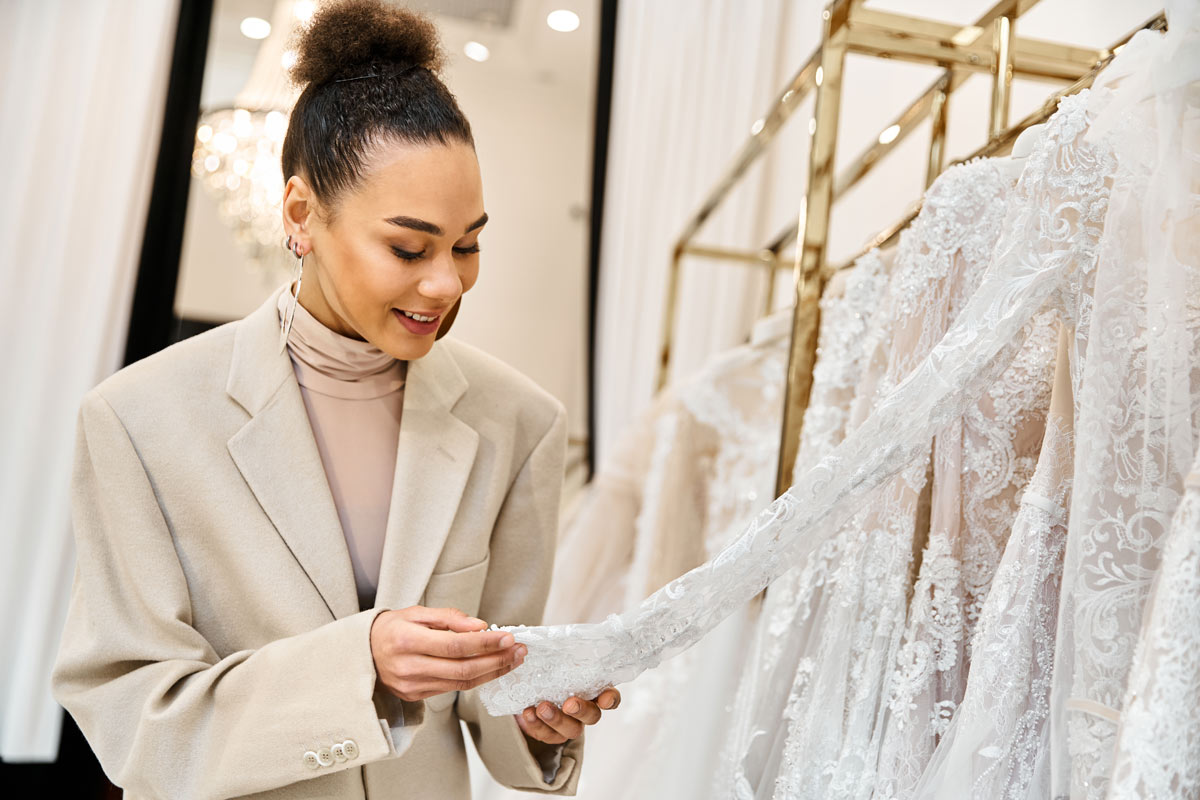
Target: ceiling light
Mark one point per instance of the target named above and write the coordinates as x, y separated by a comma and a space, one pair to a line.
255, 28
304, 9
889, 134
288, 59
562, 20
476, 51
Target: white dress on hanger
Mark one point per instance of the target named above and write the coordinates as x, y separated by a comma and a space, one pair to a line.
995, 747
981, 465
833, 745
852, 320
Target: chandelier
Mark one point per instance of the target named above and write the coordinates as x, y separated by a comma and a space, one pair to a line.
237, 158
236, 153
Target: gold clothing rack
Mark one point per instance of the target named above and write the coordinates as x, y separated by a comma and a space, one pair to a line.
850, 28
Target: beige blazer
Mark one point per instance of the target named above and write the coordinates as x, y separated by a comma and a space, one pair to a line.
214, 646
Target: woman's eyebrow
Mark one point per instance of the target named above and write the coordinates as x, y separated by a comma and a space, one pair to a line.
429, 227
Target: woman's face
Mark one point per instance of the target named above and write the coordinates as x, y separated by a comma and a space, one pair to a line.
401, 250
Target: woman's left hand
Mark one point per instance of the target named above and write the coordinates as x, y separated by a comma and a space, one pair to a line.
548, 723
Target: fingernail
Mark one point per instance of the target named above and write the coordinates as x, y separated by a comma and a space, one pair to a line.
529, 714
522, 650
571, 707
546, 712
507, 640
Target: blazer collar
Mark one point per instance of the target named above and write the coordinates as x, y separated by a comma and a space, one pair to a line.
277, 454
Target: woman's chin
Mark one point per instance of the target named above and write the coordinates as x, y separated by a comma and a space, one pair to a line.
407, 347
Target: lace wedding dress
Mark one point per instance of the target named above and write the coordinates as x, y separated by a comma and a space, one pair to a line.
1130, 442
1158, 750
1137, 391
854, 325
833, 740
982, 464
995, 746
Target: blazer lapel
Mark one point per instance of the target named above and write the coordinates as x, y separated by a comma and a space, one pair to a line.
277, 455
434, 458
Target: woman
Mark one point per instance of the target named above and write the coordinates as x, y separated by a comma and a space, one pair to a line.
282, 559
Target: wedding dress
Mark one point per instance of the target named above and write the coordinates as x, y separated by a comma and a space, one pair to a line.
854, 326
1060, 248
1137, 391
995, 746
982, 463
834, 736
713, 462
681, 482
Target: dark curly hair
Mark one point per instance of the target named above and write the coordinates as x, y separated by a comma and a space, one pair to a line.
342, 113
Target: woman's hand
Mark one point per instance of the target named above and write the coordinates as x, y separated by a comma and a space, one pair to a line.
548, 723
420, 652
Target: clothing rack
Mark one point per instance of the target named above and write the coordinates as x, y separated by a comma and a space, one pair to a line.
848, 27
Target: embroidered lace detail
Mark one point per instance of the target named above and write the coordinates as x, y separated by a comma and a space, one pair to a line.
995, 744
776, 670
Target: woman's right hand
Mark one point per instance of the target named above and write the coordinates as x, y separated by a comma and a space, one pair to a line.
420, 652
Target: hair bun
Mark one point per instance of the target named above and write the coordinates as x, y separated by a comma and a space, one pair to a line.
345, 37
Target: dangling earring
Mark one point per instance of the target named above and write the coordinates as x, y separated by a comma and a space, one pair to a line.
290, 312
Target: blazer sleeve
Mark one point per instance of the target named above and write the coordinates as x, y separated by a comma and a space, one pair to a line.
164, 714
515, 591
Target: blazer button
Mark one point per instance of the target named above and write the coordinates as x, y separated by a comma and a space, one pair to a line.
350, 748
324, 757
310, 760
339, 752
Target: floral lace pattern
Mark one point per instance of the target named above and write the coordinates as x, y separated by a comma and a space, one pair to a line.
764, 702
1159, 746
994, 746
981, 466
1049, 240
940, 261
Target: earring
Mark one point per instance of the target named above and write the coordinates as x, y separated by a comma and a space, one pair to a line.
290, 312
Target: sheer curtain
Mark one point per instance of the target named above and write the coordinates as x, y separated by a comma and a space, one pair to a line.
690, 79
82, 87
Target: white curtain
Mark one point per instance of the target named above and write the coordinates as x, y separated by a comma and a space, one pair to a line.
82, 89
690, 79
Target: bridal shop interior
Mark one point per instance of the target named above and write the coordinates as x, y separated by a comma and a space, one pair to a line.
876, 324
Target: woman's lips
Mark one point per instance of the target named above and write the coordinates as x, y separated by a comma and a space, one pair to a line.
417, 328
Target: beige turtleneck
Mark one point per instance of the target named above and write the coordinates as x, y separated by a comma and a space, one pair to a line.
354, 394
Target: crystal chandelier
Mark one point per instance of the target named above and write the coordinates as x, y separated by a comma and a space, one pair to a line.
237, 158
236, 154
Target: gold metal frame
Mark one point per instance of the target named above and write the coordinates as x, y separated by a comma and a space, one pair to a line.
850, 28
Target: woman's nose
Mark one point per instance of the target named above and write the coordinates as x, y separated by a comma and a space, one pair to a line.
442, 282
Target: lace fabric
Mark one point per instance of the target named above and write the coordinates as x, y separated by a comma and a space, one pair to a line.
834, 737
1137, 388
1047, 250
995, 743
848, 319
1158, 751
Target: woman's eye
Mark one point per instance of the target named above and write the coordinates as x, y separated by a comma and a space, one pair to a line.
466, 251
407, 255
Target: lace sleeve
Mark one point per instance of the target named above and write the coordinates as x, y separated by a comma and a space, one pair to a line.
1036, 258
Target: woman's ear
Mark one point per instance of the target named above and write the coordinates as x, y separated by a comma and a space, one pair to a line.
298, 206
444, 328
